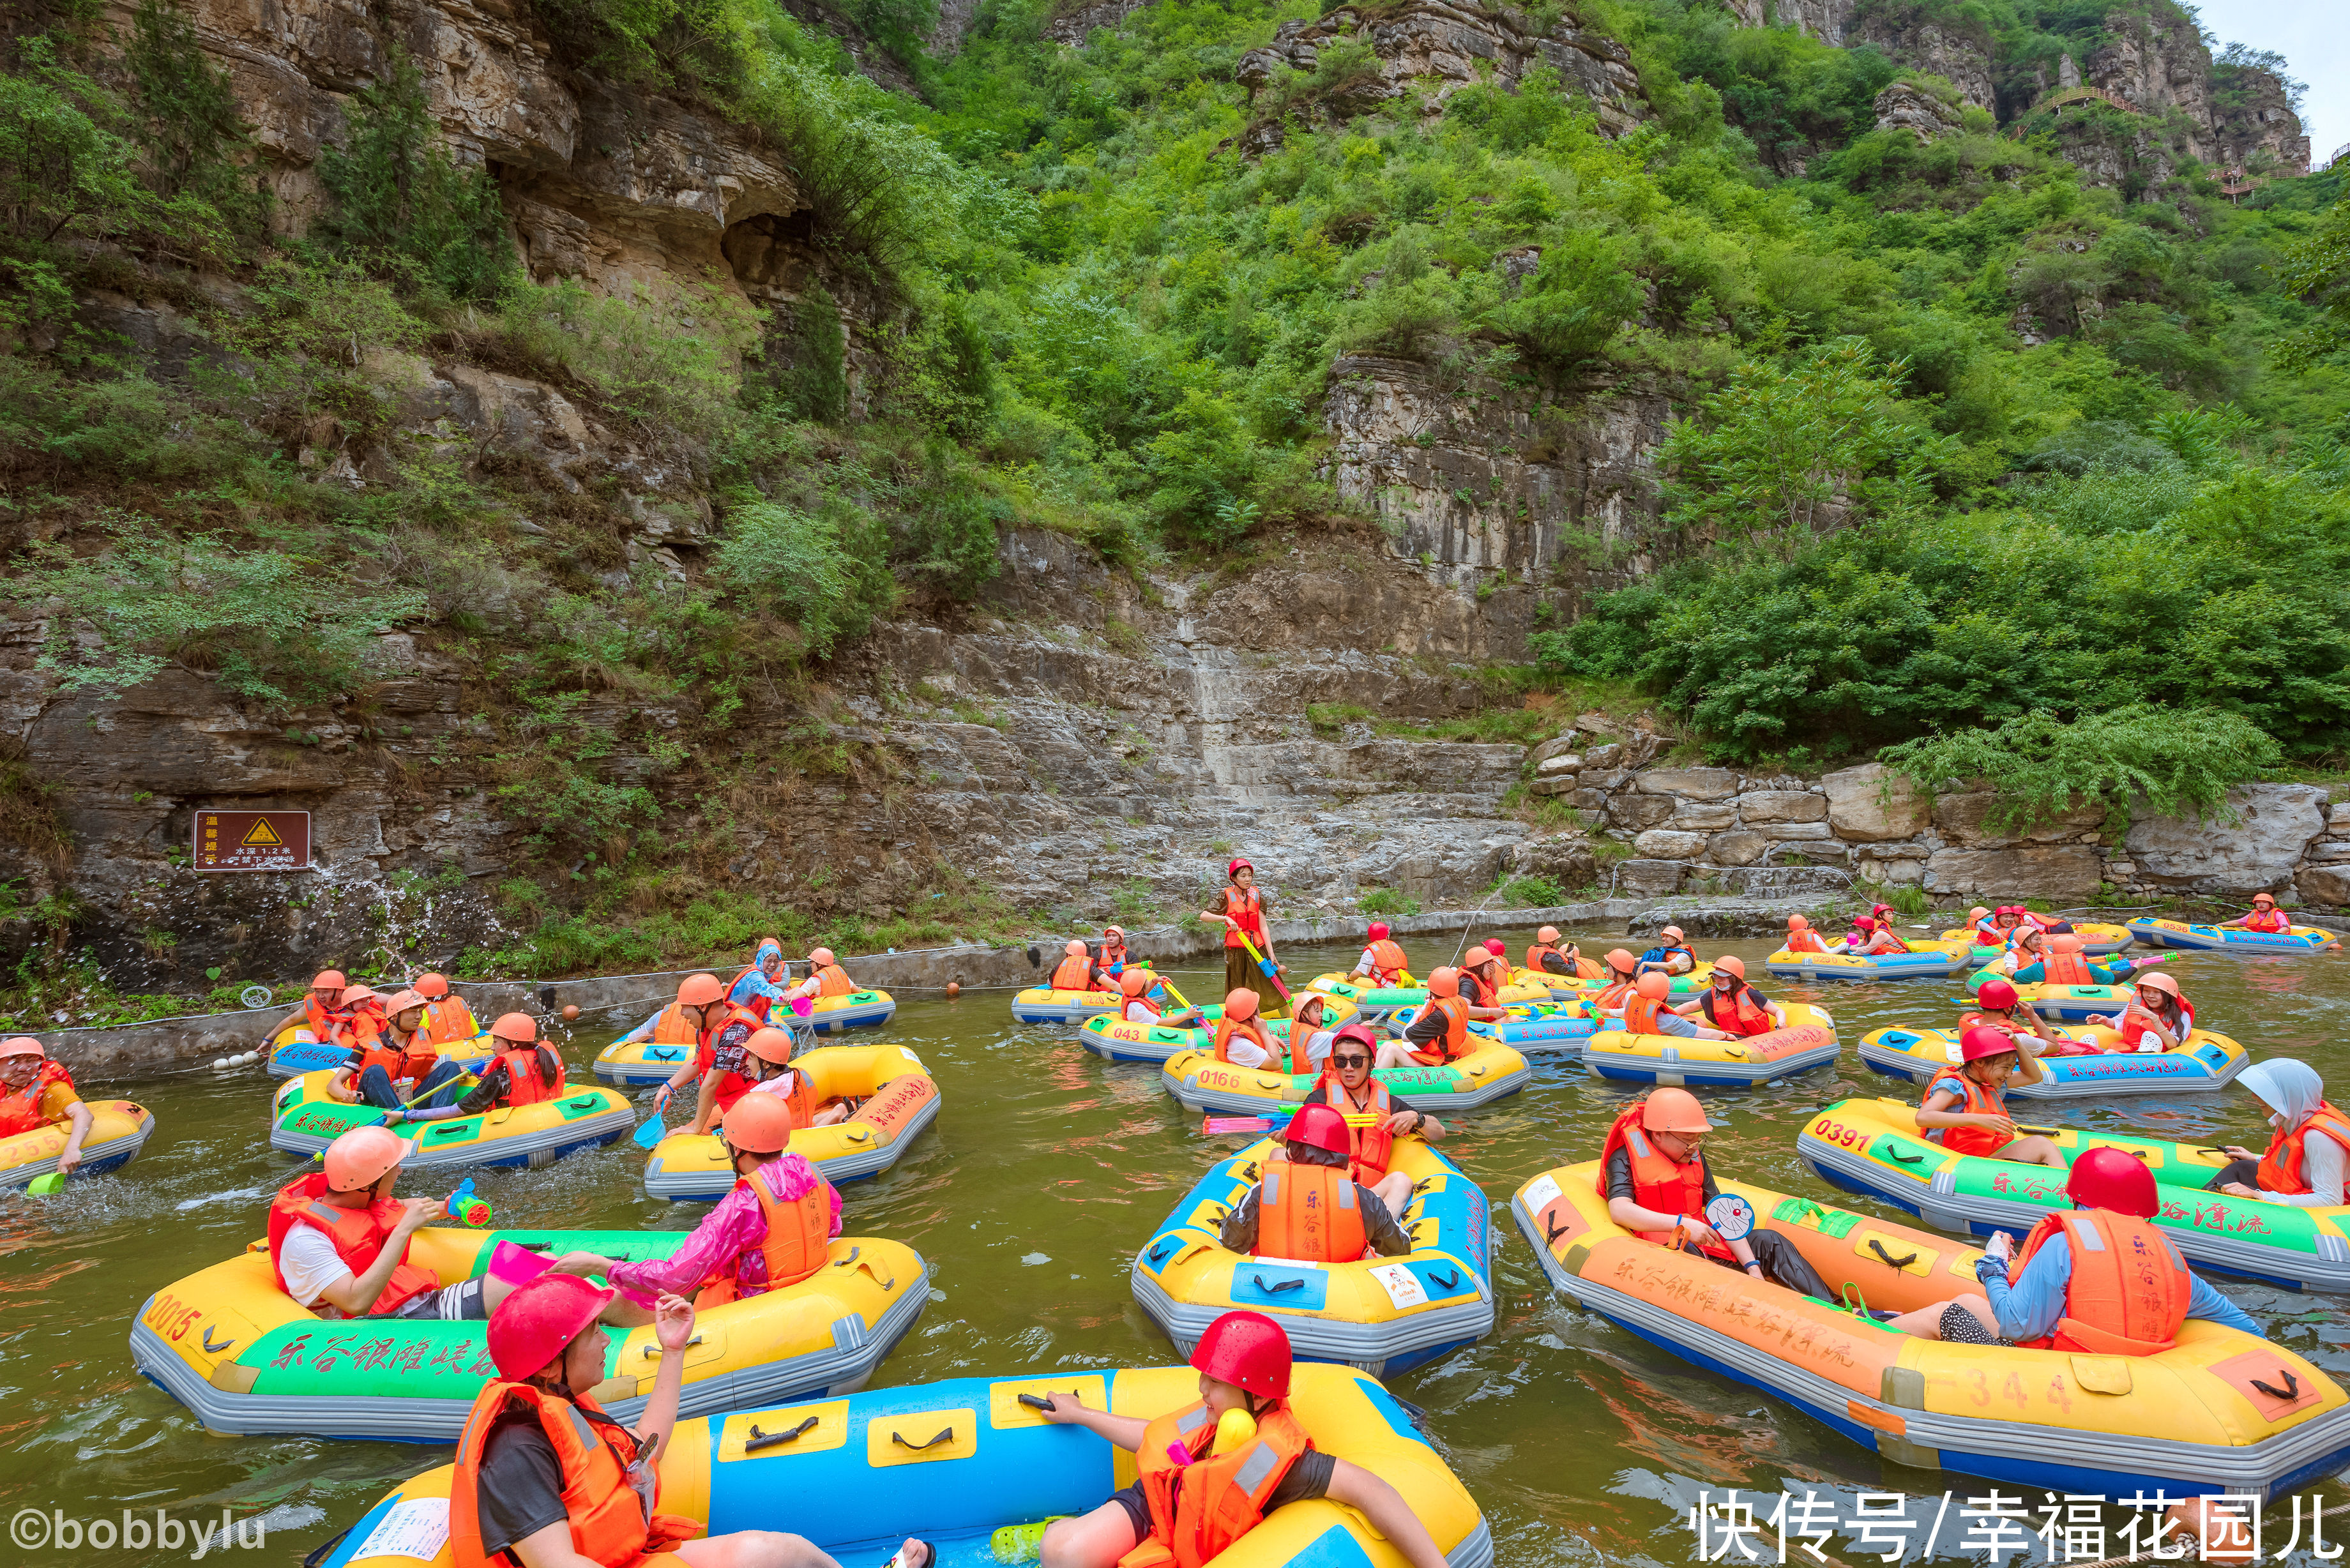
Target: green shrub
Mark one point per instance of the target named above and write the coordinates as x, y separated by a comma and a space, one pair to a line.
189, 127
403, 204
668, 363
2176, 760
1388, 901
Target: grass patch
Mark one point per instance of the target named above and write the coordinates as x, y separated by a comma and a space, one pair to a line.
1388, 901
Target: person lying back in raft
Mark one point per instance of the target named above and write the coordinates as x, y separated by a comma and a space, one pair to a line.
2157, 1019
1671, 955
772, 1230
1652, 1171
1077, 971
1346, 1085
2263, 916
1871, 937
1440, 1033
1177, 1512
1802, 938
1382, 965
1146, 1002
1965, 1107
2001, 1007
1308, 1204
2117, 1286
36, 1093
339, 1240
523, 1073
1733, 1006
397, 1066
1547, 956
448, 1021
1645, 1012
546, 1479
2057, 959
2296, 1168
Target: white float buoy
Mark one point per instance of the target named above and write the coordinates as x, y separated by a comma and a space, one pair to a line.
219, 1063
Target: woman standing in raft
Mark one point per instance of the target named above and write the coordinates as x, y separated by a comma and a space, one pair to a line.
1243, 916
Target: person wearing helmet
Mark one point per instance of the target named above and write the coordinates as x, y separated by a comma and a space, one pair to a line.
1802, 937
1242, 917
1241, 1037
1965, 1107
1671, 955
676, 1021
1112, 956
2296, 1168
1310, 1034
767, 1069
525, 1071
2263, 916
1732, 1005
721, 1030
1077, 971
1307, 1205
1383, 964
773, 1229
1439, 1032
397, 1066
1195, 1494
2157, 1019
545, 1479
1872, 936
1146, 1001
2057, 959
825, 978
1490, 966
1548, 957
447, 1020
2117, 1286
2024, 953
1645, 1011
36, 1093
1653, 1173
1622, 970
1981, 930
754, 987
322, 1012
1346, 1085
2001, 1007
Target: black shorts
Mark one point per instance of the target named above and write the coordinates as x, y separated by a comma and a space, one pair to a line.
1137, 1511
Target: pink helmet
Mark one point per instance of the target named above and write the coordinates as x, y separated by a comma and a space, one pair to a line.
360, 1158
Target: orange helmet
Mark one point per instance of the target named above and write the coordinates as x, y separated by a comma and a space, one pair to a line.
2154, 980
1073, 948
2065, 942
759, 1124
1547, 934
770, 1045
824, 955
360, 1157
1240, 1004
359, 993
515, 1029
22, 1045
1731, 963
1798, 922
403, 1002
700, 991
1135, 982
2260, 898
1621, 959
431, 987
1445, 981
328, 980
1653, 986
1977, 913
1674, 933
1673, 1111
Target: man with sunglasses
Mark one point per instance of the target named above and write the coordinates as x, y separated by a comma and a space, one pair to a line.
1347, 1087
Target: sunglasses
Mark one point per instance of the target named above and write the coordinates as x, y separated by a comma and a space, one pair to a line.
1351, 1061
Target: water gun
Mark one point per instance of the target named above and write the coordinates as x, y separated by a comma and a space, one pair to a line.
466, 1207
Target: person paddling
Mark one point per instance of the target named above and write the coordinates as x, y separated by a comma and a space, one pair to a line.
2309, 1141
36, 1093
1965, 1107
1244, 919
1194, 1497
1142, 990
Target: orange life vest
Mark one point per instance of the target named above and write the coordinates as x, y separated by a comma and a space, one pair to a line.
1640, 1014
1370, 1149
2065, 969
1148, 1005
1807, 942
706, 1041
1248, 908
1611, 995
1661, 1183
1198, 1510
1113, 956
2137, 1020
449, 1021
2274, 920
1743, 1018
20, 1109
2129, 1288
1455, 1043
609, 1503
2282, 1167
1538, 952
358, 1235
1074, 972
1980, 1102
1883, 940
414, 1061
1387, 963
525, 1086
324, 1024
758, 1005
674, 1028
831, 979
798, 1240
1309, 1212
1226, 1028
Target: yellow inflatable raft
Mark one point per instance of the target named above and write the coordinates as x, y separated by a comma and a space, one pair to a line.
294, 1051
238, 1352
2219, 1411
118, 1131
308, 1120
1490, 1071
1044, 1004
953, 1461
1808, 1041
1924, 961
893, 1096
2204, 1060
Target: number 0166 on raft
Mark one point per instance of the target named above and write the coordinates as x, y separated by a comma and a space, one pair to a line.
253, 841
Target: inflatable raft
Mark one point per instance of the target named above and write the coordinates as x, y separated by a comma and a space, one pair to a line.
2186, 934
1488, 1073
1544, 1027
2206, 1060
641, 1063
294, 1051
1043, 1004
1382, 1314
894, 1096
307, 1121
2097, 940
238, 1352
2064, 1003
1377, 1002
2219, 1411
1874, 1147
953, 1461
1120, 1040
1809, 1041
1925, 961
118, 1131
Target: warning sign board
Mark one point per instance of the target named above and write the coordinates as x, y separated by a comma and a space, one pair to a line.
253, 841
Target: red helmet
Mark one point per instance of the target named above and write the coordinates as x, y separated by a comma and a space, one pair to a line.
1245, 1349
1233, 867
1378, 931
1494, 945
1318, 1126
1360, 1033
2109, 1179
532, 1326
1996, 994
1984, 1041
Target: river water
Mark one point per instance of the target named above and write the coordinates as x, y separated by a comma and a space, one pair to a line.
1046, 1170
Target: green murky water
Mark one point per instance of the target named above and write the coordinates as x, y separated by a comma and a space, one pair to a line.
1028, 1197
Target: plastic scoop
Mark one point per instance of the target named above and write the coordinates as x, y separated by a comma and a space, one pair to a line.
517, 1265
48, 1185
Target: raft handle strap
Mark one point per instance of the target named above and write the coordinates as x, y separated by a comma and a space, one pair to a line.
1904, 1159
1276, 1290
2292, 1389
1855, 1301
212, 1349
656, 1350
1158, 1252
899, 1439
1902, 1261
850, 1259
1449, 1284
761, 1440
1551, 1232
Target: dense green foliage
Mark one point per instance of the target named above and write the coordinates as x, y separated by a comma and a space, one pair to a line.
2169, 761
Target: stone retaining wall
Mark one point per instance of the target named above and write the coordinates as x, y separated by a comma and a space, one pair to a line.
1689, 827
